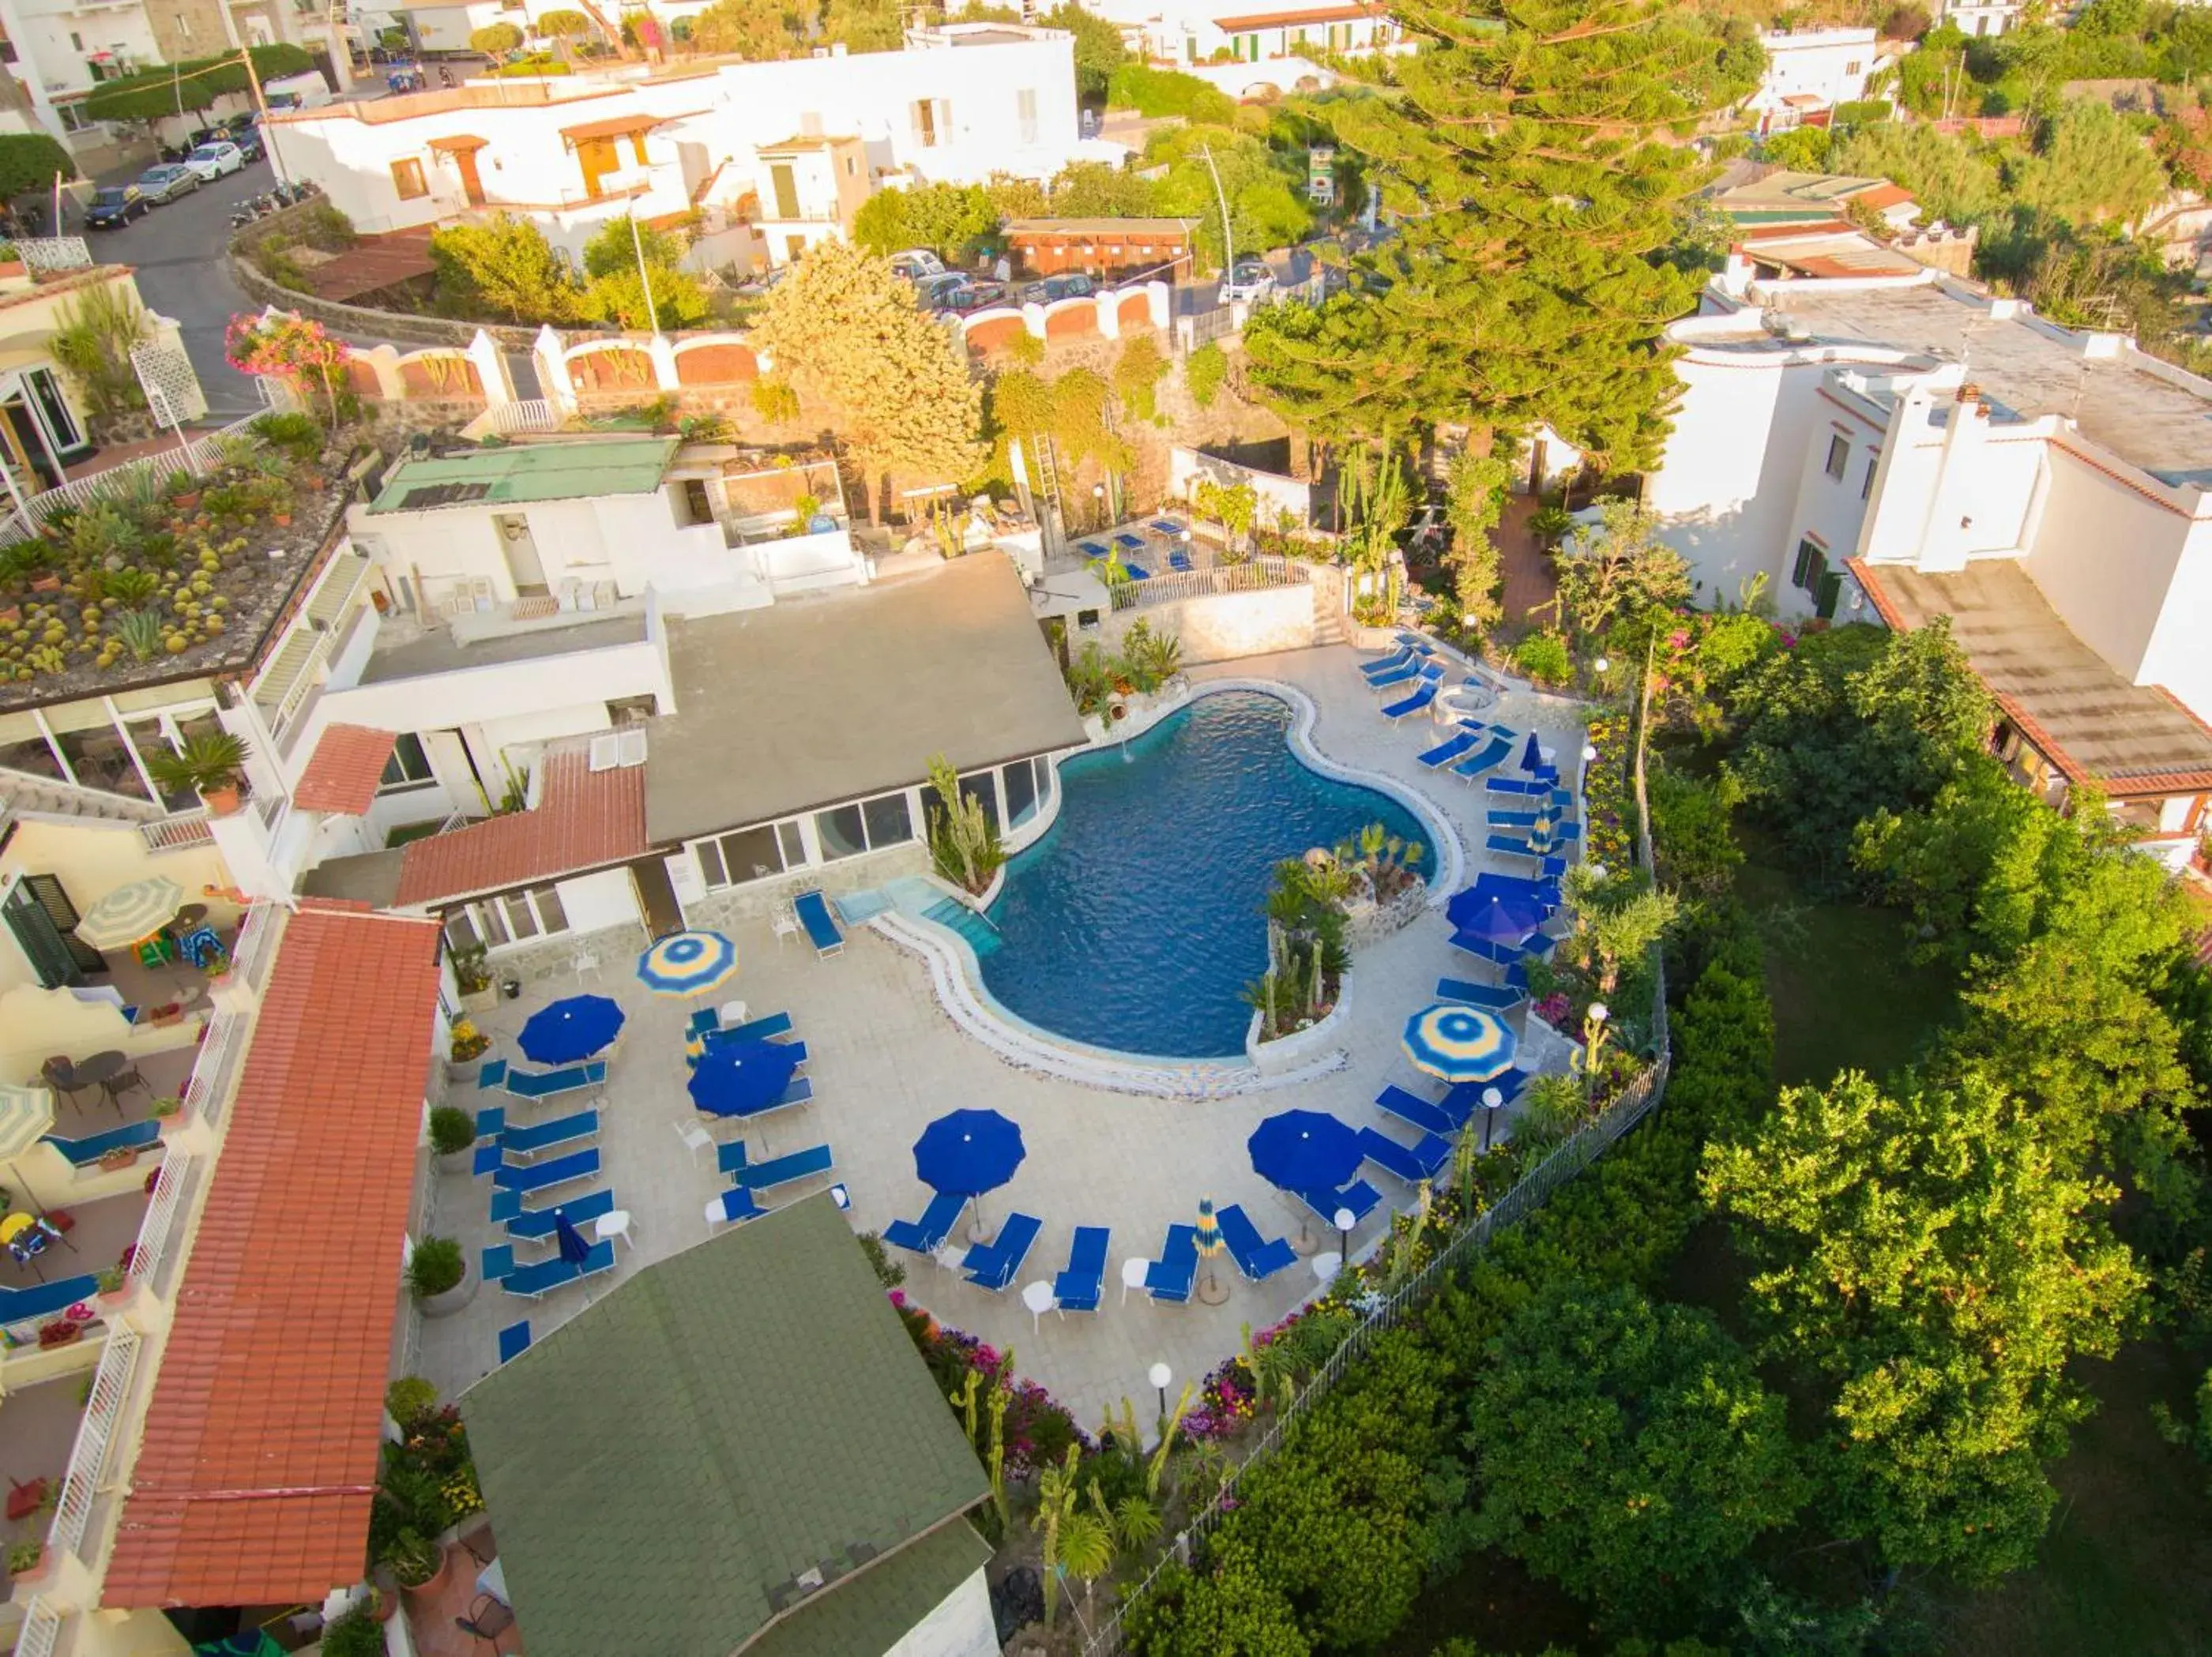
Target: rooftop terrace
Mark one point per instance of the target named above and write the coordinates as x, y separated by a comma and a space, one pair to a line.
516, 474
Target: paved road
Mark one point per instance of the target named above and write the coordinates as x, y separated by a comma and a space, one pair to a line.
178, 252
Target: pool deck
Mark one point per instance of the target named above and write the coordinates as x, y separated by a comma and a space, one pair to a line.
885, 1060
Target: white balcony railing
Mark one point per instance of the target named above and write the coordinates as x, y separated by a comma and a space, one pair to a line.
255, 948
103, 1412
213, 1070
178, 831
42, 1630
153, 1245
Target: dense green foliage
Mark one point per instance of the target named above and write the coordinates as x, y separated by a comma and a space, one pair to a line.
501, 267
1523, 286
29, 160
1162, 91
617, 267
193, 85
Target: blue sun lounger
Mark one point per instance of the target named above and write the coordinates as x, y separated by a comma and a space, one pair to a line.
1463, 1099
1500, 747
1518, 846
514, 1341
926, 1235
1404, 656
535, 1224
1417, 1112
493, 1075
995, 1264
1137, 572
1179, 558
757, 1177
543, 1135
1409, 1163
1092, 548
1519, 787
1502, 955
1413, 704
1168, 1279
1360, 1197
1081, 1287
532, 1179
529, 1282
1259, 1259
1494, 997
552, 1084
812, 909
734, 1204
1449, 750
1396, 676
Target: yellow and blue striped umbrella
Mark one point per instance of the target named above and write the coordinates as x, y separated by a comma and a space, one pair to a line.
687, 964
1209, 1229
131, 913
1459, 1043
27, 1115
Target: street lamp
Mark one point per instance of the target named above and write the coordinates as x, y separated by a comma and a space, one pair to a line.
1160, 1376
1098, 502
1601, 664
1345, 1219
1593, 1038
1492, 1098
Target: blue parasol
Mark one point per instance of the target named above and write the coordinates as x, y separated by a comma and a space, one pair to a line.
573, 1248
570, 1029
1499, 916
741, 1078
1455, 1042
1304, 1150
1532, 756
968, 1152
687, 964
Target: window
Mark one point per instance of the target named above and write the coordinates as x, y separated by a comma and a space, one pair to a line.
1851, 67
1866, 484
76, 42
981, 788
867, 826
73, 118
1025, 113
784, 186
933, 122
184, 26
408, 768
840, 832
697, 509
1826, 591
1020, 781
407, 180
1840, 451
510, 918
891, 821
1812, 565
754, 853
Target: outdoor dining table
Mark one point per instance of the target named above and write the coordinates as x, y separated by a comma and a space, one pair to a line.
107, 1072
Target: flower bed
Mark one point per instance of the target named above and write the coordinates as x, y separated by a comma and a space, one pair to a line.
1608, 807
1038, 1430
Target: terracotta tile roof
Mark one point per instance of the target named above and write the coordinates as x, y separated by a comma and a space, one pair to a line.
584, 819
252, 1483
347, 764
1264, 20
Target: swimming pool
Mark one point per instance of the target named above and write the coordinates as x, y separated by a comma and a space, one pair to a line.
1135, 923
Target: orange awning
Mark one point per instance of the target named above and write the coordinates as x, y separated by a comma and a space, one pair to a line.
459, 142
615, 126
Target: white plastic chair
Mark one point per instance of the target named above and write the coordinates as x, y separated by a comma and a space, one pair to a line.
584, 962
695, 1139
786, 926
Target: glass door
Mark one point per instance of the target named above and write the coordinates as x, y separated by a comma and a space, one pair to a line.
53, 410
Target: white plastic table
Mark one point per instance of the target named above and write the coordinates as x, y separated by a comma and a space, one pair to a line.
1037, 1296
1325, 1267
492, 1580
615, 1224
1133, 1277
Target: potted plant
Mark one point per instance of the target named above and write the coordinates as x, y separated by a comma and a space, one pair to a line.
60, 1332
26, 1557
169, 1112
112, 1285
453, 1138
468, 1045
118, 1156
359, 1632
208, 762
438, 1274
418, 1562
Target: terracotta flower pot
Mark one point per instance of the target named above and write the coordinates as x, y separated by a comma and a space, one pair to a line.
430, 1590
222, 800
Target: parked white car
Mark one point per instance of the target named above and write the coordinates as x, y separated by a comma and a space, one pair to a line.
211, 160
915, 263
1247, 280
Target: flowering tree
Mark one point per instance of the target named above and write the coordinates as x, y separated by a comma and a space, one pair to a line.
298, 351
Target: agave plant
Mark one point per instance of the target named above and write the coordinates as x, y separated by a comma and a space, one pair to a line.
139, 630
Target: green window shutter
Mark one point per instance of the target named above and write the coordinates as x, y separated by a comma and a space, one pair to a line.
1831, 589
1806, 552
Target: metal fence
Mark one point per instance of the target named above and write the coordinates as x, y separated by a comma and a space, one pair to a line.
255, 946
1529, 1194
110, 1388
152, 1247
1253, 576
44, 253
42, 1630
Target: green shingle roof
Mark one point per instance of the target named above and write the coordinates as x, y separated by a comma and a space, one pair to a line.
522, 472
870, 1612
665, 1467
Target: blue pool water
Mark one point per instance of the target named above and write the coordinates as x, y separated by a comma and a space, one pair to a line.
1136, 922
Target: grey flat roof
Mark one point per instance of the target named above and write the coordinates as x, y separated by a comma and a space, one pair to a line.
813, 701
2164, 428
2133, 739
370, 877
435, 651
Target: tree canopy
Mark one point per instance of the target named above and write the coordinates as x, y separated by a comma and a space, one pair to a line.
1098, 48
756, 30
503, 267
1624, 1450
1524, 284
28, 161
844, 333
152, 94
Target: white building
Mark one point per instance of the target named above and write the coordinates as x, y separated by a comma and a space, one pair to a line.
1188, 34
1982, 17
1809, 71
960, 104
1907, 447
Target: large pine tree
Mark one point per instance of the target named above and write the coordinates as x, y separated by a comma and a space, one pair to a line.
1535, 153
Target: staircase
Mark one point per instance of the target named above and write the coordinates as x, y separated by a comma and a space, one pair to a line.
25, 792
1328, 615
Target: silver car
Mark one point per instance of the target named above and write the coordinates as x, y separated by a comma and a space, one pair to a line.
166, 182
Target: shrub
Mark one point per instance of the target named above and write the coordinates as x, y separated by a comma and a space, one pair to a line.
1543, 657
1204, 373
356, 1633
888, 1273
1158, 92
298, 436
435, 1267
410, 1398
451, 1130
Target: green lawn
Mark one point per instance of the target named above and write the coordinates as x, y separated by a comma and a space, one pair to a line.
1844, 993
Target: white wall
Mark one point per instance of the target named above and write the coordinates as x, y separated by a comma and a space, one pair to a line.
51, 65
2106, 559
1830, 64
595, 901
961, 1626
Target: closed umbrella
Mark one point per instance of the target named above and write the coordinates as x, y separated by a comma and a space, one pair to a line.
131, 913
1308, 1153
741, 1078
687, 964
968, 1153
1532, 756
1211, 1289
1455, 1042
571, 1029
570, 1242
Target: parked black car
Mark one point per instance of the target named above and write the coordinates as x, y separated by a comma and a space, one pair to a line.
116, 205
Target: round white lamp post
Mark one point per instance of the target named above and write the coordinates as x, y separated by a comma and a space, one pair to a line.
1492, 1099
1593, 1038
1160, 1376
1344, 1220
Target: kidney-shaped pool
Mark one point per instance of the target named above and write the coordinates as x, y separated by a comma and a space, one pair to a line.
1136, 922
